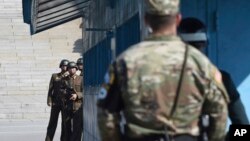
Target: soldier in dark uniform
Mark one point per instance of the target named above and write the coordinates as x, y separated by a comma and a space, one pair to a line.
54, 100
73, 91
193, 31
79, 63
237, 113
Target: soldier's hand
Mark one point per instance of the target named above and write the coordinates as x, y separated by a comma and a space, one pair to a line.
73, 97
49, 101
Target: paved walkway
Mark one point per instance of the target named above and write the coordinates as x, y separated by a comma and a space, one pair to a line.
30, 119
23, 107
25, 130
24, 118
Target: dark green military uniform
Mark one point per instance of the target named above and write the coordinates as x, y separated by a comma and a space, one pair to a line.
73, 113
55, 99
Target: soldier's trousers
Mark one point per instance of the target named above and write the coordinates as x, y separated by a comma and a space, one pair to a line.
74, 126
54, 114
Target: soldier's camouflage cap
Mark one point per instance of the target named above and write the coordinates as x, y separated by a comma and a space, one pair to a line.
162, 7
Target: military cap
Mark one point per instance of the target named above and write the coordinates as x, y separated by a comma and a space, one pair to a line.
162, 7
192, 30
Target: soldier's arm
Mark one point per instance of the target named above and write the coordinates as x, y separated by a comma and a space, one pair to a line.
79, 93
108, 124
109, 106
237, 112
50, 91
215, 106
236, 109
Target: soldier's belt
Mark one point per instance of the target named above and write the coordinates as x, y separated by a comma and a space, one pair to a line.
156, 137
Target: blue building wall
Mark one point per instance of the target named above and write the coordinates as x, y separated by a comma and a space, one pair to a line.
96, 62
234, 44
126, 29
98, 58
119, 17
229, 45
128, 34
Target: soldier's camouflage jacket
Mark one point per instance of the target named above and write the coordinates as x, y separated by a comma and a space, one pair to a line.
142, 83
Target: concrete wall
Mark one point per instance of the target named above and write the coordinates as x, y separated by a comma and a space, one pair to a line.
27, 62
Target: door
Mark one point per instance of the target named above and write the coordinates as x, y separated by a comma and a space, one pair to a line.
233, 42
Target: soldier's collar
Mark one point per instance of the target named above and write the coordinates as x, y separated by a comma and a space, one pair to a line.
163, 38
74, 76
61, 74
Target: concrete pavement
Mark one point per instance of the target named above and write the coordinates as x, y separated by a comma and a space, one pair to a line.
26, 130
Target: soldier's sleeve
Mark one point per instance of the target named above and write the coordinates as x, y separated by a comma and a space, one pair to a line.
109, 107
215, 105
63, 85
230, 87
50, 91
237, 113
80, 93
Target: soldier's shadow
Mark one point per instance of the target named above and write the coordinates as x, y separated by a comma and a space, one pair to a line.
78, 46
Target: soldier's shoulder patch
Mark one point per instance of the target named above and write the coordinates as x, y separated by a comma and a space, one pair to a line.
57, 78
102, 93
217, 76
109, 76
106, 78
108, 81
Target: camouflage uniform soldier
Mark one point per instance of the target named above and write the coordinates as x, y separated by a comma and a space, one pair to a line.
79, 63
55, 100
73, 91
162, 86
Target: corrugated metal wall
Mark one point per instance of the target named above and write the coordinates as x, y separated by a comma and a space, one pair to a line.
96, 61
45, 14
122, 18
102, 16
128, 34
